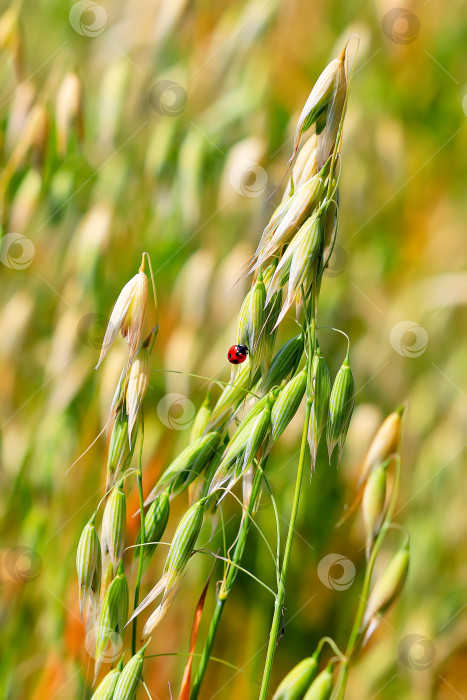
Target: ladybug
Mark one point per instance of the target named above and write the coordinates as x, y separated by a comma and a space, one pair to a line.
237, 354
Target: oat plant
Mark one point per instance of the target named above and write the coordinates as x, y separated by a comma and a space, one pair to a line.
231, 438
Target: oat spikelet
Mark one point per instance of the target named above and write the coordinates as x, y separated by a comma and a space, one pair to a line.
127, 315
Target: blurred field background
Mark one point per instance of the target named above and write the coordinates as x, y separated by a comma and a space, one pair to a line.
170, 138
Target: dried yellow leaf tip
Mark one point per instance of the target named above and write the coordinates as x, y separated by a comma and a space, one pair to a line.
128, 315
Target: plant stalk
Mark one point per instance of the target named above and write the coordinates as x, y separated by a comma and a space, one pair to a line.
228, 582
277, 618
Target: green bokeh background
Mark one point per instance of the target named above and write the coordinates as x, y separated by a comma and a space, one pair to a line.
189, 182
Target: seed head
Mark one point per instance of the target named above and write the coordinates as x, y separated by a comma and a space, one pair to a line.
318, 99
113, 524
155, 522
202, 419
114, 612
251, 322
232, 395
304, 249
272, 310
305, 164
107, 578
180, 551
284, 362
330, 227
327, 138
341, 405
183, 542
106, 688
384, 444
120, 451
187, 466
319, 408
373, 501
129, 679
138, 382
245, 443
386, 589
300, 207
88, 564
128, 315
296, 682
321, 687
287, 403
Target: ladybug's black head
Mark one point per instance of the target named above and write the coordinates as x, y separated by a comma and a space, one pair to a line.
242, 349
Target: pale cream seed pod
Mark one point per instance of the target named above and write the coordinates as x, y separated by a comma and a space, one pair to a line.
137, 386
318, 99
384, 444
386, 589
128, 314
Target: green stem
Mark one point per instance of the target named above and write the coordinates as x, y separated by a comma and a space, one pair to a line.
277, 618
143, 539
356, 628
228, 582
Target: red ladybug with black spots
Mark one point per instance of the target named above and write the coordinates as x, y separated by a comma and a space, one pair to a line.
237, 354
